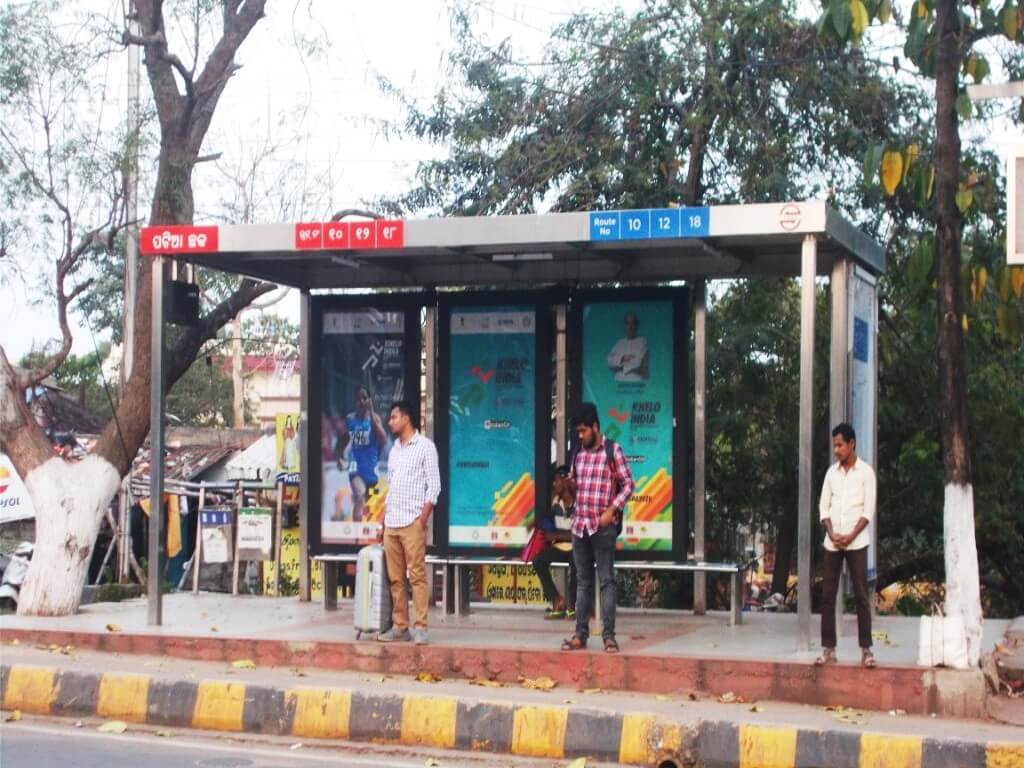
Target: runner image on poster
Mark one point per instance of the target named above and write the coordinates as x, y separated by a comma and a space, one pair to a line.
363, 374
491, 446
628, 373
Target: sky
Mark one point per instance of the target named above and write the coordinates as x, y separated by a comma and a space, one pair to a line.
319, 116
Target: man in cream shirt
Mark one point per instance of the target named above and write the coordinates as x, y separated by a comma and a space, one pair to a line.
847, 507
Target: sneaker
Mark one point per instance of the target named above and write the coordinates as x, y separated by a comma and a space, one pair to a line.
570, 614
394, 636
552, 613
419, 636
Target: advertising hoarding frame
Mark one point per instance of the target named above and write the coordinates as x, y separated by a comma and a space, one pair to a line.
411, 305
543, 305
678, 296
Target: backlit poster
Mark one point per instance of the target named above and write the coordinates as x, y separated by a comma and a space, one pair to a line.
628, 374
492, 425
363, 374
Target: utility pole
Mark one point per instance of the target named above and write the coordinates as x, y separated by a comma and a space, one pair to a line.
131, 266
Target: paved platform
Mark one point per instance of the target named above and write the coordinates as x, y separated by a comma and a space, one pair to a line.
663, 652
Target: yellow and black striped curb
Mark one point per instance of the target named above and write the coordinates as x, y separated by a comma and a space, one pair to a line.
453, 723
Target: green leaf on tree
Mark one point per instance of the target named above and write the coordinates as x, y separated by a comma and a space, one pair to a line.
963, 106
872, 162
884, 11
842, 18
920, 264
964, 198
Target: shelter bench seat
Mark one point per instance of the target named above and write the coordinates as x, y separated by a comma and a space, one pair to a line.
332, 564
735, 571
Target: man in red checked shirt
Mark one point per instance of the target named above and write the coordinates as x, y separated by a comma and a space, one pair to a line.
603, 483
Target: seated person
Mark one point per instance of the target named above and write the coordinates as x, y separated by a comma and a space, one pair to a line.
554, 527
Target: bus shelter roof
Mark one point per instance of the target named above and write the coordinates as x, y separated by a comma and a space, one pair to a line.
582, 248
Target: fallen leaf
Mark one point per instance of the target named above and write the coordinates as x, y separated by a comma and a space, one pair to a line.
484, 682
14, 717
427, 677
568, 701
662, 697
693, 696
731, 698
113, 628
244, 664
15, 641
298, 673
756, 708
430, 762
538, 683
113, 726
213, 629
296, 746
579, 762
164, 733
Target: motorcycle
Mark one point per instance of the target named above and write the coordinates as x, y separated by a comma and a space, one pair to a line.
14, 576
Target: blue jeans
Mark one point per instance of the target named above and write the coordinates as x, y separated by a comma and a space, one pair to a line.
589, 551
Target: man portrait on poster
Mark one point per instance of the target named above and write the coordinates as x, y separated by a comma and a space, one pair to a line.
628, 358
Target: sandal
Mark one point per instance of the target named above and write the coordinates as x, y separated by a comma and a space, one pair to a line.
610, 646
574, 643
867, 658
828, 656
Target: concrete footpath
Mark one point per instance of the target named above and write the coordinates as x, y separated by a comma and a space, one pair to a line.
484, 715
663, 652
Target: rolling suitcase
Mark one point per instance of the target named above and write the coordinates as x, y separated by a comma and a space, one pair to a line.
372, 607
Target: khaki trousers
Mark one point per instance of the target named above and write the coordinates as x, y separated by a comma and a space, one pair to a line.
406, 550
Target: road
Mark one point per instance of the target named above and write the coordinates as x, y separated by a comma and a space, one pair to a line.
48, 743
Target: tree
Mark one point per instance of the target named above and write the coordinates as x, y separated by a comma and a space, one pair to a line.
943, 38
71, 498
681, 103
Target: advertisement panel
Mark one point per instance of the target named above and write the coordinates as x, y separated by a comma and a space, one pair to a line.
15, 503
363, 373
492, 425
255, 533
628, 372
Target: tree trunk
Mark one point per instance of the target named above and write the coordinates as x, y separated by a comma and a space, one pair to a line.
69, 499
963, 591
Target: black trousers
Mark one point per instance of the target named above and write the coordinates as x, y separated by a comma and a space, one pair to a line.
857, 562
542, 565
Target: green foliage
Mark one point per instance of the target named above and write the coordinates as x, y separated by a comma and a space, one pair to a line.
81, 378
677, 103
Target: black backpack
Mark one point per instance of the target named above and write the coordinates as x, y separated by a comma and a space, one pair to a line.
609, 453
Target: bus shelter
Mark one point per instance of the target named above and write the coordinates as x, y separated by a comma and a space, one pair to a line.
499, 324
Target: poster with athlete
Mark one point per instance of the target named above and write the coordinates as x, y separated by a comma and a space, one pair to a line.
363, 374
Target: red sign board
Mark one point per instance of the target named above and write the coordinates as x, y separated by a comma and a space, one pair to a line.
364, 235
390, 233
309, 237
336, 235
177, 238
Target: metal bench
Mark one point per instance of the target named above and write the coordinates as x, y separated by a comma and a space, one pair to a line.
736, 572
331, 565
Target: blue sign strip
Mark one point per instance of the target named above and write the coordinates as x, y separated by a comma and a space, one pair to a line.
650, 224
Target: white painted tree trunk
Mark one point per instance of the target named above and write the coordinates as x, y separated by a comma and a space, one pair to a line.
963, 584
69, 500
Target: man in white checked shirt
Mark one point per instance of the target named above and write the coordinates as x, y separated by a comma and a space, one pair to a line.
414, 483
